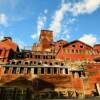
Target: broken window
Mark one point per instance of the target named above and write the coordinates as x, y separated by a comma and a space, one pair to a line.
42, 70
62, 64
28, 70
34, 62
39, 63
55, 70
31, 62
14, 70
61, 70
35, 70
6, 70
48, 71
13, 63
45, 62
21, 70
51, 64
66, 70
26, 63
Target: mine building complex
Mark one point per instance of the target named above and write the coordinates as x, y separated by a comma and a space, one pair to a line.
68, 68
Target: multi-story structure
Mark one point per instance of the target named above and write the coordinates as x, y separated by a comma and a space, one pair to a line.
8, 49
68, 68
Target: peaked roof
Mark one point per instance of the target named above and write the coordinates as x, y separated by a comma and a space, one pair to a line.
77, 41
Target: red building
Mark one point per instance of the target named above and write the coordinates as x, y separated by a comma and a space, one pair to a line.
69, 66
8, 49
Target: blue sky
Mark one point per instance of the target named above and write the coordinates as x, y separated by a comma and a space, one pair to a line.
68, 19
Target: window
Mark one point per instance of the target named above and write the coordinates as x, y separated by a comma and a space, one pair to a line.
48, 71
66, 71
45, 62
30, 55
68, 51
6, 70
72, 51
53, 57
46, 57
56, 63
97, 51
80, 51
55, 70
43, 57
38, 56
73, 45
21, 70
39, 63
18, 63
76, 51
26, 63
35, 70
27, 55
51, 64
81, 46
62, 64
61, 71
13, 63
31, 62
14, 70
0, 52
42, 70
34, 62
28, 70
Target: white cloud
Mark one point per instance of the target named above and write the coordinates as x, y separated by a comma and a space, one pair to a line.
76, 8
40, 25
34, 36
89, 39
58, 17
20, 43
3, 20
68, 36
71, 21
85, 6
46, 11
1, 35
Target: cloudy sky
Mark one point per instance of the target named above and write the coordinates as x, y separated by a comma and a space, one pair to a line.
68, 19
